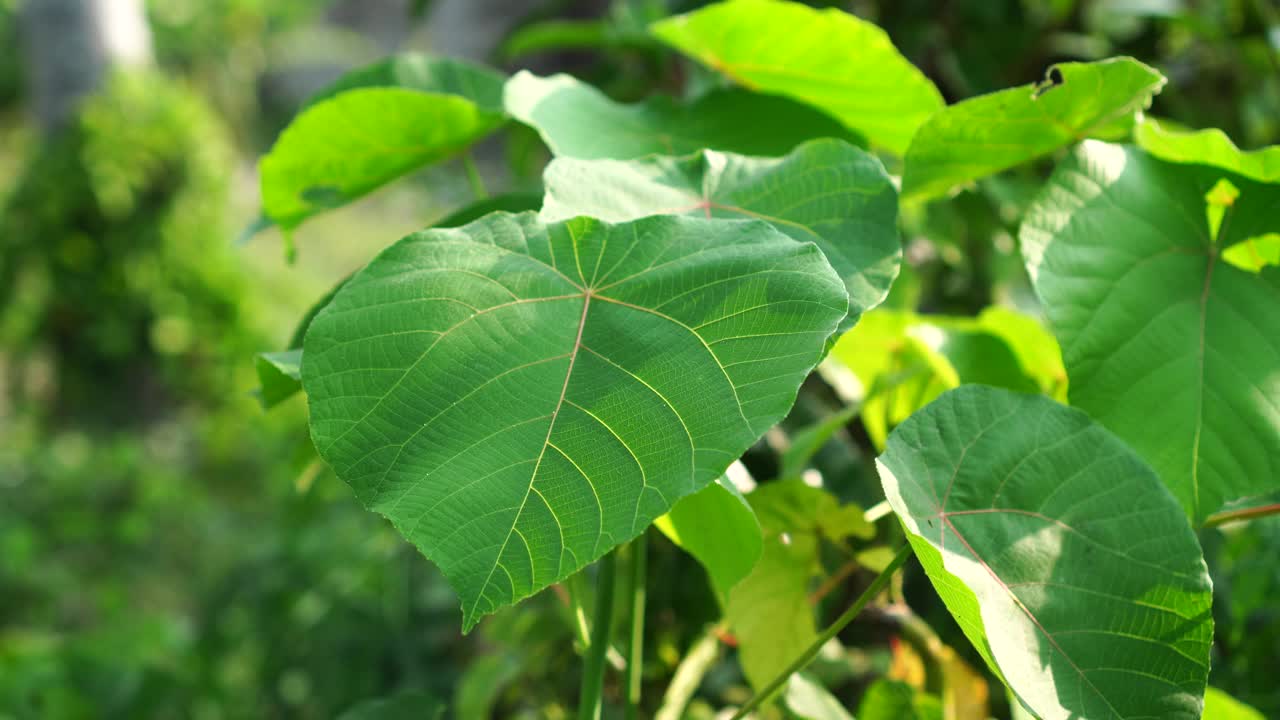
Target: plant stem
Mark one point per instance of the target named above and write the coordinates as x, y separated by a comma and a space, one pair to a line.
1244, 514
689, 674
473, 177
635, 651
589, 703
812, 651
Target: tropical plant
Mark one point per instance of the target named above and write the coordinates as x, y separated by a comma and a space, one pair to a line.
527, 387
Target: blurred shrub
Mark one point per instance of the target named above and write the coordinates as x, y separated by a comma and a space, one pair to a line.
115, 265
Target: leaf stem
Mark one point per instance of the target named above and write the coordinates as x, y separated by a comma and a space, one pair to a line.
1222, 518
635, 650
473, 177
589, 704
812, 651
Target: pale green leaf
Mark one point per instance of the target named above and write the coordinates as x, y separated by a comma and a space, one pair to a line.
1253, 254
1221, 706
374, 127
1208, 147
518, 398
984, 135
578, 121
905, 360
279, 376
769, 611
825, 191
1173, 350
716, 526
808, 700
840, 64
894, 700
1064, 559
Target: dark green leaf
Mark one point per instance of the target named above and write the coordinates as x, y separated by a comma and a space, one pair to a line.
518, 399
826, 192
279, 376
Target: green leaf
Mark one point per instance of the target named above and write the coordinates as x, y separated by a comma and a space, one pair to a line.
826, 192
716, 526
806, 442
1253, 254
576, 120
984, 135
518, 398
1221, 706
279, 376
411, 705
373, 127
808, 700
830, 59
894, 700
1065, 560
1208, 147
1173, 350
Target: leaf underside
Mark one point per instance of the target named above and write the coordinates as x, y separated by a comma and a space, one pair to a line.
1065, 561
825, 191
1172, 349
518, 398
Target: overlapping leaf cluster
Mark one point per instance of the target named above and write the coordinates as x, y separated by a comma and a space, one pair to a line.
523, 393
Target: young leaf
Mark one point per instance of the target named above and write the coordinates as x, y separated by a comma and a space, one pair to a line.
984, 135
518, 398
830, 59
279, 376
1065, 560
373, 127
1208, 147
716, 526
1221, 706
578, 121
826, 192
1170, 348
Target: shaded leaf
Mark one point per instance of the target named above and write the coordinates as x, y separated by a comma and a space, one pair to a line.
374, 126
838, 63
716, 526
1173, 350
518, 398
576, 120
1064, 559
826, 192
411, 705
984, 135
507, 202
1208, 147
806, 442
279, 376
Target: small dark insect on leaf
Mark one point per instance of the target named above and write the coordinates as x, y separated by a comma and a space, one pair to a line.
1052, 79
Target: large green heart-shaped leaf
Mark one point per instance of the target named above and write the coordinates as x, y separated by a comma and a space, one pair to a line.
990, 133
520, 398
1208, 147
373, 127
1065, 560
1175, 351
826, 192
576, 120
830, 59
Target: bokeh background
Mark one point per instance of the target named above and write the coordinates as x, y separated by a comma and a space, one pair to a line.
170, 550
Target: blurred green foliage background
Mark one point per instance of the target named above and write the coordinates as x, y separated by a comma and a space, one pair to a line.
169, 550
